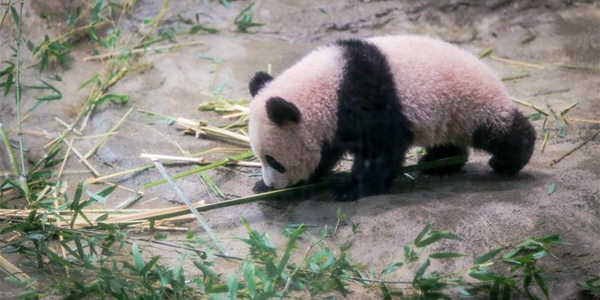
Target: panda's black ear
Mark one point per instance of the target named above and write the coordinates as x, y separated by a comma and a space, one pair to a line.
281, 111
259, 81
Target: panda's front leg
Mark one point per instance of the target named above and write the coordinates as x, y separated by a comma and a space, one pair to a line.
372, 173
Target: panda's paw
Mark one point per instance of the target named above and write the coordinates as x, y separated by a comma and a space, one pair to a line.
345, 194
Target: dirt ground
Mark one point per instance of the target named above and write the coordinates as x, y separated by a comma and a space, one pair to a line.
484, 209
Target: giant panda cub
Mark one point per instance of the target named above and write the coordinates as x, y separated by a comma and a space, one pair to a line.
375, 98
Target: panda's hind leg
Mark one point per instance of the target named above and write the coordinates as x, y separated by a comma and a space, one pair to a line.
511, 148
443, 151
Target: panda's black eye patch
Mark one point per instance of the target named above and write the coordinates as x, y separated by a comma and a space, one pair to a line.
275, 164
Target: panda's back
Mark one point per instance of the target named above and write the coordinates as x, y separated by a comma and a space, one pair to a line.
445, 92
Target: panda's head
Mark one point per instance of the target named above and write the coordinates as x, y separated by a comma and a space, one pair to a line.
279, 135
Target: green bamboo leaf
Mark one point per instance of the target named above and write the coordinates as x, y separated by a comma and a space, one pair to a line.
232, 286
15, 16
385, 291
495, 290
540, 282
422, 233
137, 256
434, 238
8, 84
288, 250
160, 237
463, 291
486, 257
51, 97
248, 269
391, 268
266, 295
551, 188
442, 255
421, 271
208, 273
149, 266
482, 275
78, 246
506, 291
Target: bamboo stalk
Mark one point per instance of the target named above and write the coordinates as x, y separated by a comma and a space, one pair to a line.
579, 67
584, 121
516, 62
189, 205
216, 164
64, 162
13, 271
69, 127
97, 135
516, 76
173, 158
524, 103
555, 161
546, 135
487, 51
141, 50
199, 128
566, 109
113, 129
83, 160
146, 167
11, 154
129, 201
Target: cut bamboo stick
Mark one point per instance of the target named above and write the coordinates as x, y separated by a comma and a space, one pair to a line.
555, 161
516, 62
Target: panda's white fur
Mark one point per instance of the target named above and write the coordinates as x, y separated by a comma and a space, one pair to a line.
445, 94
316, 78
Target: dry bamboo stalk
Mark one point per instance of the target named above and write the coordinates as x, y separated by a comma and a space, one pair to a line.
555, 161
584, 121
113, 129
97, 135
546, 135
64, 162
487, 51
69, 127
141, 50
34, 133
241, 108
579, 67
524, 103
153, 213
567, 108
199, 128
516, 62
83, 160
139, 169
42, 193
164, 228
173, 158
234, 115
103, 178
14, 126
130, 200
227, 133
13, 271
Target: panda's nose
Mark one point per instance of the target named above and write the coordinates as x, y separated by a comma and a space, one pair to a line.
261, 187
